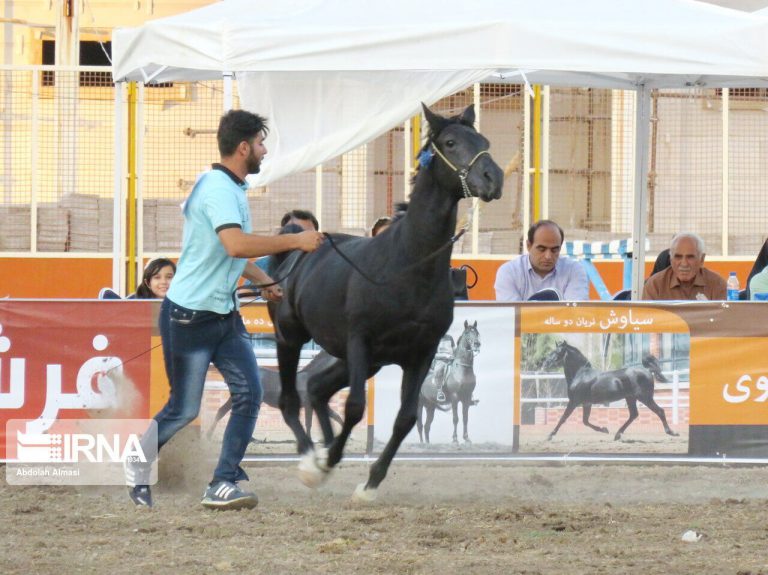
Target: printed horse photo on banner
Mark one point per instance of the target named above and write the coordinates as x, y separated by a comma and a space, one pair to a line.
605, 392
466, 402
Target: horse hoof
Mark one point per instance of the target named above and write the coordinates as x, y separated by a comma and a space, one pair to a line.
364, 495
313, 468
673, 433
603, 430
617, 437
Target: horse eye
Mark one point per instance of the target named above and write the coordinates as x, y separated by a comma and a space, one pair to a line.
450, 143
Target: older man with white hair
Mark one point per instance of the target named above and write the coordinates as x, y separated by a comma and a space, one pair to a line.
685, 278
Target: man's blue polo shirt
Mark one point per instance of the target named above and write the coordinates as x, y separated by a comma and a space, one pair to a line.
206, 276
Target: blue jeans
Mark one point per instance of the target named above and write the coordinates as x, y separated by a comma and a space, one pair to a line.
192, 340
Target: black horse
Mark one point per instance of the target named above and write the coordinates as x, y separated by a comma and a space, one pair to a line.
387, 300
270, 383
458, 383
587, 386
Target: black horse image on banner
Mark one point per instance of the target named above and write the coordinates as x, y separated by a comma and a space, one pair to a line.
383, 300
587, 386
450, 381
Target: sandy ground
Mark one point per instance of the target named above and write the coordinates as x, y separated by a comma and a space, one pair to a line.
440, 518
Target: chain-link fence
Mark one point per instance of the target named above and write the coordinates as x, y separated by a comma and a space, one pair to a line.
58, 165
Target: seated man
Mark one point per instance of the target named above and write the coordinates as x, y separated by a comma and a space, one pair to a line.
685, 278
542, 267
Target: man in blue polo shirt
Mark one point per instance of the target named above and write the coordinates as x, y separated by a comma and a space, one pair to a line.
199, 319
541, 271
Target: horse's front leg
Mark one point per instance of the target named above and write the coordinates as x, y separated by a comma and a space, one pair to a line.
465, 415
290, 402
428, 424
568, 411
586, 411
419, 423
413, 377
455, 412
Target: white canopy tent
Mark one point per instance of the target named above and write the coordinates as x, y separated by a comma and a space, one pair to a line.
334, 74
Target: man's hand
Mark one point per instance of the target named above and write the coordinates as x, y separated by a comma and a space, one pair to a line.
309, 240
272, 293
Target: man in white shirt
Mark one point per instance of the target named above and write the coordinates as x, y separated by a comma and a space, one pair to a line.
542, 269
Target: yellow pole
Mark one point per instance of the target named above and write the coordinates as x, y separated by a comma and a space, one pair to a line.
131, 223
416, 138
536, 153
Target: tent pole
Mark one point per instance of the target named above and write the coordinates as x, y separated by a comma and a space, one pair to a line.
117, 207
228, 99
640, 215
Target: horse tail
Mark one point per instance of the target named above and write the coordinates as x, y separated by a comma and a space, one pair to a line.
652, 364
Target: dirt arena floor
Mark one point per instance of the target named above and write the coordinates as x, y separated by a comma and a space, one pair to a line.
430, 518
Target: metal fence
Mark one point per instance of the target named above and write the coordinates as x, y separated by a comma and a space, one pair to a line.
69, 141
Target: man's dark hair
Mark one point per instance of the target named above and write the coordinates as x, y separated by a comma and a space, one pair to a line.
542, 223
300, 215
238, 126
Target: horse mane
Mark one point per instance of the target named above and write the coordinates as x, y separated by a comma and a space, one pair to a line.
576, 350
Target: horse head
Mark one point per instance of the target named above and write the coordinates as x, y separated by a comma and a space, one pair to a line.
556, 357
463, 163
652, 364
469, 340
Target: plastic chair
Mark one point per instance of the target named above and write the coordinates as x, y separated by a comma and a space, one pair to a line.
623, 295
547, 294
108, 293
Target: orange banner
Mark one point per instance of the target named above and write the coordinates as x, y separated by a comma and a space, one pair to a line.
731, 381
603, 318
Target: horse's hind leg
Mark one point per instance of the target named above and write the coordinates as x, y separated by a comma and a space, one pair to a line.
358, 369
320, 388
659, 411
587, 410
290, 402
568, 411
404, 422
632, 405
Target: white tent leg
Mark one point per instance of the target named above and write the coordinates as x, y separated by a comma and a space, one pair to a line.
640, 215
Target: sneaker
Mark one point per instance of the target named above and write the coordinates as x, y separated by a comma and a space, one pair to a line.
227, 495
141, 495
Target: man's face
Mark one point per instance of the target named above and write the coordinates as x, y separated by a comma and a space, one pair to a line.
257, 152
686, 260
545, 249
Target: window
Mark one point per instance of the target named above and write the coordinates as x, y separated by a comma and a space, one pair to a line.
92, 53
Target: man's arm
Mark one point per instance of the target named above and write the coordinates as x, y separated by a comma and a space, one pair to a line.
505, 286
649, 291
239, 244
577, 288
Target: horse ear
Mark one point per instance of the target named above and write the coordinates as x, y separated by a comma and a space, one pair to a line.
466, 324
468, 116
436, 122
474, 325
